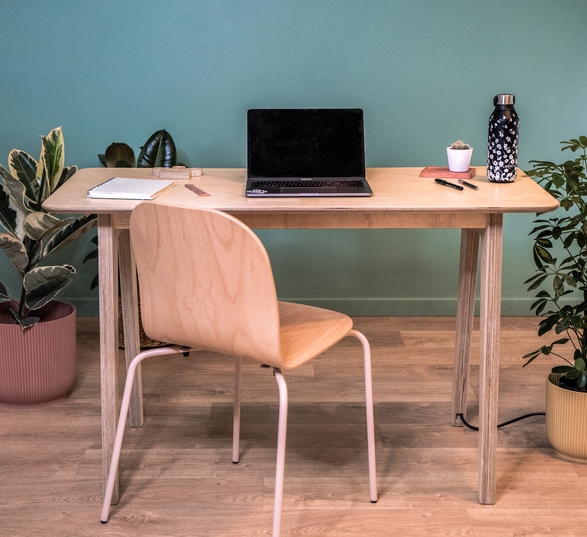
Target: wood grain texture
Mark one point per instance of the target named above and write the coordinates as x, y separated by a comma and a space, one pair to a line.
396, 190
178, 480
130, 320
206, 283
465, 314
490, 318
108, 282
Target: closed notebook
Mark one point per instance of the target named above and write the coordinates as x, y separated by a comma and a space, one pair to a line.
128, 188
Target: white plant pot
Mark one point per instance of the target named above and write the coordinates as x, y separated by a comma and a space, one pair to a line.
459, 160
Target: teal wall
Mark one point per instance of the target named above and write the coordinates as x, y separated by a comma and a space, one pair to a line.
424, 72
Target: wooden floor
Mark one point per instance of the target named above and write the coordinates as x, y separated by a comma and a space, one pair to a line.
177, 478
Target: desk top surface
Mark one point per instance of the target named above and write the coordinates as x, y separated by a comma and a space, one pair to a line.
399, 190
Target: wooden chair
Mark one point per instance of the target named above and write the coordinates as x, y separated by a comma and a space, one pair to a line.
206, 284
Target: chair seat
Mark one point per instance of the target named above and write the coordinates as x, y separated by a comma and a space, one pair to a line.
307, 331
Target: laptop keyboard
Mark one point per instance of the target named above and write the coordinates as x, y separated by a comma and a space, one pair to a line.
305, 184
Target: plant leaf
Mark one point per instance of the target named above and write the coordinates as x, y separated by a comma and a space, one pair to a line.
70, 232
561, 369
118, 155
92, 255
15, 250
543, 254
547, 324
41, 275
572, 374
17, 195
7, 213
37, 224
24, 168
538, 279
158, 151
39, 296
24, 322
42, 284
52, 161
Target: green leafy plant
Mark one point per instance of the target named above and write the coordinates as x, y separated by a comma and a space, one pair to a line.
560, 256
158, 151
30, 233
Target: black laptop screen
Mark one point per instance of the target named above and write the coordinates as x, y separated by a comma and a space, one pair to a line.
305, 143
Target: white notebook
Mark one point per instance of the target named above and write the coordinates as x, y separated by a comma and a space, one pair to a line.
129, 188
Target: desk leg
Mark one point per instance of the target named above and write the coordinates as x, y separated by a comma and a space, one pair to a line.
130, 322
491, 270
465, 316
108, 287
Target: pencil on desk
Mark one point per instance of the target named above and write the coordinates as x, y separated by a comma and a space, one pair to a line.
195, 189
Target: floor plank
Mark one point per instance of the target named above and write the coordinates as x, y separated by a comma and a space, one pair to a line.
177, 478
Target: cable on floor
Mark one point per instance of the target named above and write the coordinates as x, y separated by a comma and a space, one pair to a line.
462, 418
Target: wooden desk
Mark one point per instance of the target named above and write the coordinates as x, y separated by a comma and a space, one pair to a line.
401, 199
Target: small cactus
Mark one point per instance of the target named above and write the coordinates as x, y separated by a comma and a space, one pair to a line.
459, 145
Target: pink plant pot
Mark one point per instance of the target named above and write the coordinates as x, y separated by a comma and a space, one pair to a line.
37, 365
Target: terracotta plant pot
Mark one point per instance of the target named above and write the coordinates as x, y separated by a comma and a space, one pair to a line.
37, 366
566, 420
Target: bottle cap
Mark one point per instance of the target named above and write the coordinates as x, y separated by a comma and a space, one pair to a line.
505, 98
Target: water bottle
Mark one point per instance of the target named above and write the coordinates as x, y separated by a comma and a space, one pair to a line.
502, 145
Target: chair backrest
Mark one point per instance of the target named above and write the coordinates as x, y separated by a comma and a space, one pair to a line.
205, 281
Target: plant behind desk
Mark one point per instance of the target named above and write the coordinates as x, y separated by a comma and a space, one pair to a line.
158, 151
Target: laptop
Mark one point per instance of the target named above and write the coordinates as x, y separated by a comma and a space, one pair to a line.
306, 152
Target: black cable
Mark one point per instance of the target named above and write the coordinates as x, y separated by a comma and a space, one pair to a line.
501, 424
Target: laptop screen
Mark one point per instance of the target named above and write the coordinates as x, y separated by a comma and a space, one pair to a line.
305, 143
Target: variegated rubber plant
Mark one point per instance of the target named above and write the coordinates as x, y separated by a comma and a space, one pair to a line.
29, 234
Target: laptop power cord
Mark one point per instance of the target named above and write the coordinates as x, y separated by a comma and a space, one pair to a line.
462, 418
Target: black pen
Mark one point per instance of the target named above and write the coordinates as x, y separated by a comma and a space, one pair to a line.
446, 183
474, 187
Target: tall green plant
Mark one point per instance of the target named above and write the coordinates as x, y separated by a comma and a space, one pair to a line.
30, 233
565, 273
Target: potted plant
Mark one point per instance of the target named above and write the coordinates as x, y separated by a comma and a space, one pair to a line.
459, 156
37, 354
560, 256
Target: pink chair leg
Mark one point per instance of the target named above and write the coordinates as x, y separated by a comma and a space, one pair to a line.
370, 417
130, 375
236, 420
281, 439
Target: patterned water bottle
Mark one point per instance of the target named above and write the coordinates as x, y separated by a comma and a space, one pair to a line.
502, 145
